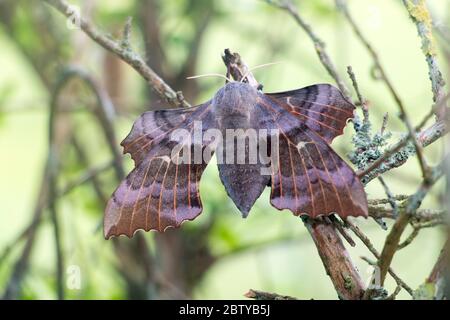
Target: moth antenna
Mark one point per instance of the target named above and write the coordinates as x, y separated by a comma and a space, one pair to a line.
210, 75
257, 67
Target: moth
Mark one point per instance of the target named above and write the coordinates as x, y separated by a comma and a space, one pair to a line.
309, 178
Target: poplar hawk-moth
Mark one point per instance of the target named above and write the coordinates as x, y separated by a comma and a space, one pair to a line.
309, 177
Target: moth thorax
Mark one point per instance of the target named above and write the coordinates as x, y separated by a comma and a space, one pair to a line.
234, 121
233, 105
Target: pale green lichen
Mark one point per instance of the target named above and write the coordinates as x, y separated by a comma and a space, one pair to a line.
418, 11
368, 146
393, 161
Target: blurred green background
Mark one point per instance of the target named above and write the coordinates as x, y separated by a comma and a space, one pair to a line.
219, 255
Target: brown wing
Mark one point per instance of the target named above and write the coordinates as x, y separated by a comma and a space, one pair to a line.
308, 177
160, 192
321, 107
153, 126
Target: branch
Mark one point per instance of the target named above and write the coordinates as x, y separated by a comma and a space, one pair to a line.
364, 239
122, 50
439, 274
336, 260
89, 175
361, 101
421, 216
409, 239
420, 15
440, 266
54, 147
261, 295
412, 204
342, 5
12, 289
390, 196
436, 285
397, 154
103, 111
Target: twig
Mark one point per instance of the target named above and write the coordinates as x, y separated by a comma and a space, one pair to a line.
441, 265
423, 215
319, 45
13, 286
420, 15
439, 107
436, 286
376, 202
423, 165
342, 5
396, 155
409, 239
391, 244
103, 111
89, 175
336, 260
389, 195
364, 239
126, 36
54, 166
261, 295
395, 293
284, 239
58, 247
362, 102
340, 227
385, 123
124, 53
412, 204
